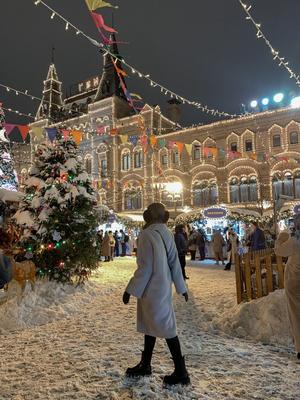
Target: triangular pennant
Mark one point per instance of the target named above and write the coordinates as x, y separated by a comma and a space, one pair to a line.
180, 146
124, 138
95, 4
189, 148
77, 136
161, 143
51, 132
9, 128
113, 131
38, 132
65, 133
133, 139
24, 130
153, 140
170, 145
100, 24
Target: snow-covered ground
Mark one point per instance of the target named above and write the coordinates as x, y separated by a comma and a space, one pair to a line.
66, 343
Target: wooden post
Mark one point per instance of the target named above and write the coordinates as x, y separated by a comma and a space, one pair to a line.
248, 276
280, 269
238, 266
259, 291
269, 273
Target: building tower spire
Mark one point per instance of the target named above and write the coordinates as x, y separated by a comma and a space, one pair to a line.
52, 94
110, 84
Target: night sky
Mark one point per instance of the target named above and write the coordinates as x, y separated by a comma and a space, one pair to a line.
204, 50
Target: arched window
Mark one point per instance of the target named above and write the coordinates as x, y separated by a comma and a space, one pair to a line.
175, 156
277, 186
276, 141
294, 138
243, 191
102, 160
248, 145
102, 196
253, 190
297, 184
164, 158
126, 161
234, 146
205, 193
133, 199
88, 164
138, 157
234, 191
288, 187
196, 151
23, 176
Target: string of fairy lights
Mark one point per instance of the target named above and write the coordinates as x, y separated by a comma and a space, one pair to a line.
281, 61
164, 90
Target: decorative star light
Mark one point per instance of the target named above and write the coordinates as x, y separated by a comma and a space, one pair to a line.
56, 236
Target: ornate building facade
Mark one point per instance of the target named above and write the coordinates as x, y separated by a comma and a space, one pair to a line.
242, 162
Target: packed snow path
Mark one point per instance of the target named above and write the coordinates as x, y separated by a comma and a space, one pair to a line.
84, 355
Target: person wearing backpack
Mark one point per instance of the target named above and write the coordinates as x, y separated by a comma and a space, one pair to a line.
158, 268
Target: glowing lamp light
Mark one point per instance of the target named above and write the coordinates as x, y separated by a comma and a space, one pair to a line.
265, 101
253, 104
278, 97
295, 103
174, 187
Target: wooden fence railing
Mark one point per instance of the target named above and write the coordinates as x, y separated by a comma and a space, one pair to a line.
258, 273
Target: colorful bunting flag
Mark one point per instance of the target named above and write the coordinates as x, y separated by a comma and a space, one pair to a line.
100, 24
180, 146
113, 131
38, 132
77, 136
51, 132
124, 138
95, 4
9, 128
133, 139
65, 133
189, 148
161, 143
153, 140
101, 130
24, 130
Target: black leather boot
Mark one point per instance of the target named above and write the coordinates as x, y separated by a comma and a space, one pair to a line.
180, 374
142, 369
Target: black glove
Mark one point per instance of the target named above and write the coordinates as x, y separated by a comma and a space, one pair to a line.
186, 296
126, 297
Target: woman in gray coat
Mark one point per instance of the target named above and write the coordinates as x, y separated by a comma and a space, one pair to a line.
158, 268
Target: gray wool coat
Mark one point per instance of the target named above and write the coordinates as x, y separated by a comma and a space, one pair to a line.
152, 282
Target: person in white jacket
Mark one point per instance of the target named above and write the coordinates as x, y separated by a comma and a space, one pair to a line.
158, 268
287, 246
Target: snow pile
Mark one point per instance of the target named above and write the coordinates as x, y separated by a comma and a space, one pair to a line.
48, 302
264, 320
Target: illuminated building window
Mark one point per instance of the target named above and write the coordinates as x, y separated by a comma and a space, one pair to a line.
276, 141
248, 145
294, 138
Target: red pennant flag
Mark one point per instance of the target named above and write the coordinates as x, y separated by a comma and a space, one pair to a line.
65, 133
113, 132
100, 24
24, 130
9, 128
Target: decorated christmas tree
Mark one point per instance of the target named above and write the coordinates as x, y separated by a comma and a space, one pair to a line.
8, 176
57, 214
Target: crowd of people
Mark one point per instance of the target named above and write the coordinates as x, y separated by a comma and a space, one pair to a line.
117, 244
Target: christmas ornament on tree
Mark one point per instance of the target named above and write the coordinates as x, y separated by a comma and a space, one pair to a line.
8, 176
58, 215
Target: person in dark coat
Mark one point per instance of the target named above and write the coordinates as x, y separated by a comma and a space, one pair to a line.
123, 243
201, 246
181, 245
117, 242
257, 240
158, 268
